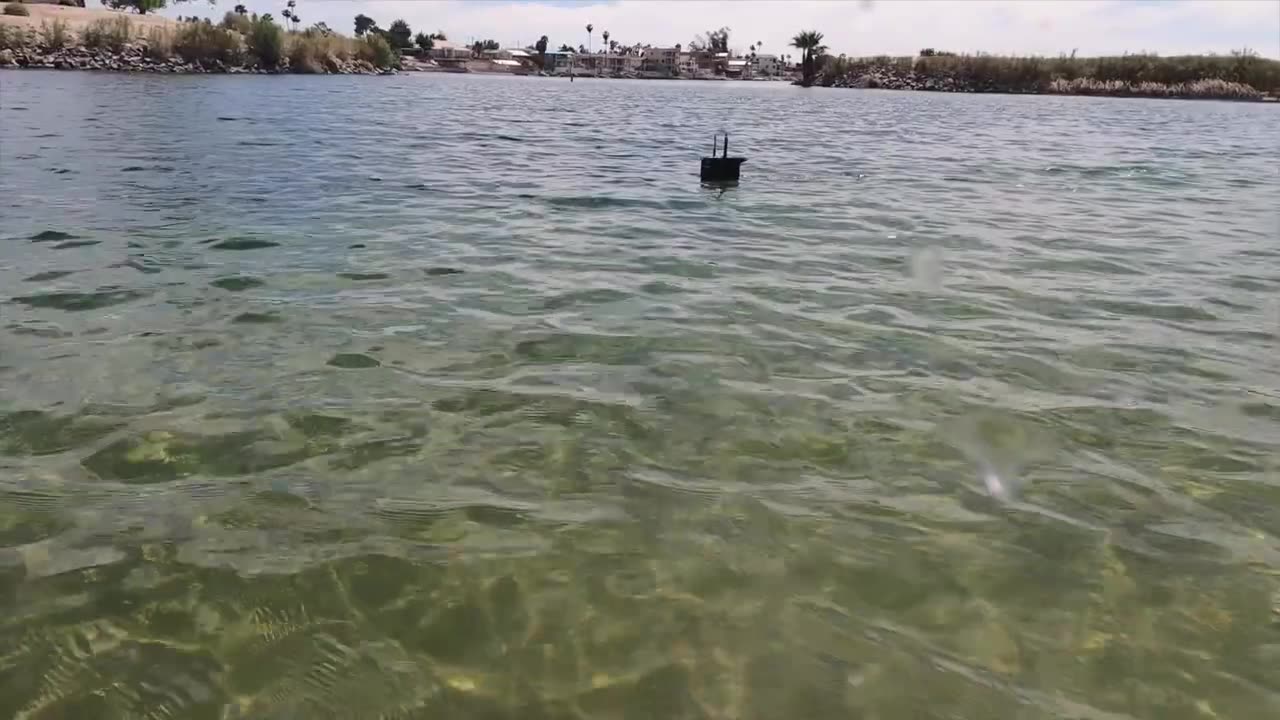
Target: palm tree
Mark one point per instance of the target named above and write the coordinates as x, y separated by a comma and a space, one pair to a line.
241, 10
590, 27
605, 35
810, 45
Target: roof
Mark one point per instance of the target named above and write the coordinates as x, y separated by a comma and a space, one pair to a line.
508, 63
516, 52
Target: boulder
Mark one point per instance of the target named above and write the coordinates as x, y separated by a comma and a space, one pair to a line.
7, 58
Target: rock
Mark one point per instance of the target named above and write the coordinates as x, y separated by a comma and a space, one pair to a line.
7, 58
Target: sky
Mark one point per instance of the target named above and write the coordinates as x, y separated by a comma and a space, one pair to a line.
855, 27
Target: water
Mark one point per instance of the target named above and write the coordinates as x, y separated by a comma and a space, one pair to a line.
459, 397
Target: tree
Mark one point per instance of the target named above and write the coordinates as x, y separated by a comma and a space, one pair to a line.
399, 35
364, 24
241, 10
142, 7
424, 42
590, 27
605, 35
716, 41
438, 35
541, 47
566, 47
809, 42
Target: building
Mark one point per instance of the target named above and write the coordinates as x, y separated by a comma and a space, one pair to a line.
766, 66
737, 68
449, 53
558, 62
512, 58
664, 61
687, 64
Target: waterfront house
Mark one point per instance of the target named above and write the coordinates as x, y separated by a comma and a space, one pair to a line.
559, 61
687, 64
766, 66
663, 61
517, 58
450, 54
737, 68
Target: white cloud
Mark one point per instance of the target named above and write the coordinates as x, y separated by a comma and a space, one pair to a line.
856, 27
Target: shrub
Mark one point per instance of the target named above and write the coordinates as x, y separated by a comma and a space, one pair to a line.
17, 9
12, 38
235, 21
307, 55
375, 50
55, 34
109, 34
206, 43
266, 42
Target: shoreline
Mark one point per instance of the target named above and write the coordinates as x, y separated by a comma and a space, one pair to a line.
133, 59
112, 41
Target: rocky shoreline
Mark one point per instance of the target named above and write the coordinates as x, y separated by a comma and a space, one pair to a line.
133, 57
889, 77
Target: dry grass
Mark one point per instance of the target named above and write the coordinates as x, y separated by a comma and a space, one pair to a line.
55, 35
160, 43
238, 40
78, 18
315, 52
1211, 88
108, 33
1037, 73
205, 43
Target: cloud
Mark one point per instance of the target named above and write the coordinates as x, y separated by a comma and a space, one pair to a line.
861, 27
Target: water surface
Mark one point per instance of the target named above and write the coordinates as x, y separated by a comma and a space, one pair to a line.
439, 396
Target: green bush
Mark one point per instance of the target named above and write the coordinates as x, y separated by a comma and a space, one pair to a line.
108, 34
206, 43
55, 34
266, 42
17, 9
375, 50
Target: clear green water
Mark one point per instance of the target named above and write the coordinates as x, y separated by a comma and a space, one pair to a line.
457, 397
